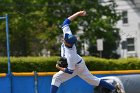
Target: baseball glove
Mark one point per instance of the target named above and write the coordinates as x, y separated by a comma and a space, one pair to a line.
62, 62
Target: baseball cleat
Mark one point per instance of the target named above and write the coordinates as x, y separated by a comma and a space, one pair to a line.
119, 88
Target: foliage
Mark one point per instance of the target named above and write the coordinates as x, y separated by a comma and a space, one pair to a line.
47, 64
35, 25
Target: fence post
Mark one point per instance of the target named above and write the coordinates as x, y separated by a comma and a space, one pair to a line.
8, 45
36, 81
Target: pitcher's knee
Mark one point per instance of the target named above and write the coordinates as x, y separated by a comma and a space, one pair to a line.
56, 80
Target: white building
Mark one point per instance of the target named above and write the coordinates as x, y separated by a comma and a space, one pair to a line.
129, 28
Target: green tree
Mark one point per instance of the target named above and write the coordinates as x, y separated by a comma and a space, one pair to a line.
36, 24
99, 23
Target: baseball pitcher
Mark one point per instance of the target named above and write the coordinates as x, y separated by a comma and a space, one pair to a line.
75, 63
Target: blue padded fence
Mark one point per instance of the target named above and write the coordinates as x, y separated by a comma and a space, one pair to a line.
5, 84
41, 84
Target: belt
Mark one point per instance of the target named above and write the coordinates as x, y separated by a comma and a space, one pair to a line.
79, 61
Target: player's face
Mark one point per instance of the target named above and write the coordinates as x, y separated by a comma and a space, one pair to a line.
67, 44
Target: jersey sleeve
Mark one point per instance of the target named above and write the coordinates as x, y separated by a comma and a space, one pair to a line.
65, 27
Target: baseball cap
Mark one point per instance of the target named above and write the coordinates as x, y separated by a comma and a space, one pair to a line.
69, 38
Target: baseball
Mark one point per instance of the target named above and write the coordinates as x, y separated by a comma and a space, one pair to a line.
84, 13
